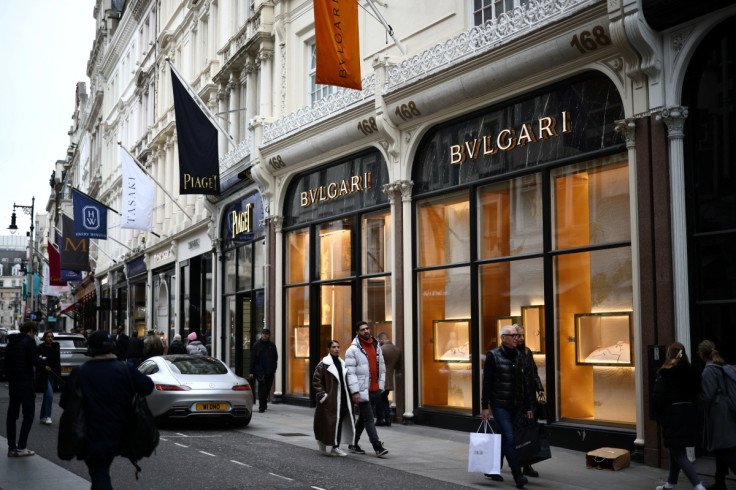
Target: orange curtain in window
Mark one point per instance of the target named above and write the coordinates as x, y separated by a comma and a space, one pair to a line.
338, 50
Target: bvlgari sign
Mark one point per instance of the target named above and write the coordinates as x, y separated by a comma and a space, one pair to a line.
336, 190
508, 139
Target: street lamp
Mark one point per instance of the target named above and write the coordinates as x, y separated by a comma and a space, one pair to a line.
14, 227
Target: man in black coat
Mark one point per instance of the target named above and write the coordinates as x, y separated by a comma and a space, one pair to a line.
21, 358
263, 361
121, 344
504, 380
107, 387
134, 352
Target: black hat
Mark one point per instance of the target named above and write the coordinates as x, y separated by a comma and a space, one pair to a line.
266, 330
99, 343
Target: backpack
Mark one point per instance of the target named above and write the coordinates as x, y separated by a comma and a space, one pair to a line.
72, 426
729, 390
141, 435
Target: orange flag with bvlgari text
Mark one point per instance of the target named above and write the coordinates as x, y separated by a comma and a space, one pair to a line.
338, 50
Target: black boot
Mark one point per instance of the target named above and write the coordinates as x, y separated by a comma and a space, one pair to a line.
520, 480
529, 471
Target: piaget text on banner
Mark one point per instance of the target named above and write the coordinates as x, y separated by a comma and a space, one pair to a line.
338, 49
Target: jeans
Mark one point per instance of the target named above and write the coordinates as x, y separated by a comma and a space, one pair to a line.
725, 459
48, 398
679, 461
505, 419
264, 390
383, 410
366, 420
22, 393
99, 472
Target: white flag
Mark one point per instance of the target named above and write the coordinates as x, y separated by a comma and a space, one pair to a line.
49, 290
138, 195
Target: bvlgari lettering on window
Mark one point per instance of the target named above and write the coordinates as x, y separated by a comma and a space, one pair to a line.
507, 139
335, 190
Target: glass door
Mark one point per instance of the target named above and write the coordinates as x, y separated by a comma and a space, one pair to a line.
336, 316
246, 329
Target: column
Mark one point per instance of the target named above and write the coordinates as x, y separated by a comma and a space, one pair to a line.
222, 118
233, 88
156, 171
251, 90
408, 352
674, 119
265, 57
276, 224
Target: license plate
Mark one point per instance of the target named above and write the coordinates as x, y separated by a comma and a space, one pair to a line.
66, 369
212, 406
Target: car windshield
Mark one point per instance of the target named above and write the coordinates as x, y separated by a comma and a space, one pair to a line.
196, 365
72, 343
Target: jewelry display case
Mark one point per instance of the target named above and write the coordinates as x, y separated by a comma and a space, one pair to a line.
532, 319
301, 342
603, 339
451, 340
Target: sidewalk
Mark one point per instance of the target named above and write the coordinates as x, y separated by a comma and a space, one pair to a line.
434, 453
35, 473
443, 455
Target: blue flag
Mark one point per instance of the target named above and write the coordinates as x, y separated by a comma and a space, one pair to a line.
90, 217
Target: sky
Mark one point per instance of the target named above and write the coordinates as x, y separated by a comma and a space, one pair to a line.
46, 46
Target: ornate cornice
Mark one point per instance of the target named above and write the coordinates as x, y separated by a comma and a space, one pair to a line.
628, 128
674, 117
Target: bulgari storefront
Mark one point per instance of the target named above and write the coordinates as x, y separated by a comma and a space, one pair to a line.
522, 215
337, 262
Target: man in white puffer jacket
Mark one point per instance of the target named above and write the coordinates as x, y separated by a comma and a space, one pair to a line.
366, 373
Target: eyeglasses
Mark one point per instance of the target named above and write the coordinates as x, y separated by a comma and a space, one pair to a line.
512, 335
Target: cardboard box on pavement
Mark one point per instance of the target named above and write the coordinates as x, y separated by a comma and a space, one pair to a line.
608, 458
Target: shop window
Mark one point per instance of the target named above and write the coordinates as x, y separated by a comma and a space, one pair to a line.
259, 262
591, 203
230, 271
245, 256
297, 256
297, 317
444, 231
510, 217
334, 244
444, 339
231, 319
377, 251
336, 316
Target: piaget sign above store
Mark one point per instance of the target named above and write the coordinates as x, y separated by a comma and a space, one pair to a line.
242, 221
508, 139
336, 190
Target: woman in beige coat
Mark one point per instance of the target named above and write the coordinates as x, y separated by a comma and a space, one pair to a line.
333, 418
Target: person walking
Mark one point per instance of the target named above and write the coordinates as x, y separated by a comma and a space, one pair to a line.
333, 417
195, 347
720, 424
152, 345
392, 359
264, 359
675, 392
50, 353
134, 353
20, 359
503, 391
532, 383
366, 375
177, 346
107, 387
121, 344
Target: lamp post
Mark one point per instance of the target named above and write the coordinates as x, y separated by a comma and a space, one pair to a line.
13, 228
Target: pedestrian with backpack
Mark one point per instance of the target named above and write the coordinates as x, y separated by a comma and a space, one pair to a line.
107, 387
675, 392
720, 421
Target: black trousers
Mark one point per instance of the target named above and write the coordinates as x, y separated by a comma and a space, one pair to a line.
99, 472
22, 394
725, 459
264, 390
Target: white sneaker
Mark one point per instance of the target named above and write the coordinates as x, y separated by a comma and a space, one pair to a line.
336, 451
666, 486
48, 421
19, 453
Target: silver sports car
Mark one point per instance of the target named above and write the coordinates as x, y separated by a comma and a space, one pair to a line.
197, 386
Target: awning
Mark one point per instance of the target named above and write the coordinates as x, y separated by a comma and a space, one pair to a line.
67, 307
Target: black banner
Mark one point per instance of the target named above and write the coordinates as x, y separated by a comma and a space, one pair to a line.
199, 167
74, 251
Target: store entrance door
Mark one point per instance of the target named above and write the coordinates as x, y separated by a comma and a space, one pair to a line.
247, 329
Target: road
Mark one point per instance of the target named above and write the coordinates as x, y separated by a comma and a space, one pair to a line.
216, 455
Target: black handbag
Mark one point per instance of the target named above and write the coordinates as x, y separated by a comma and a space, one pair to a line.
72, 426
532, 443
141, 436
540, 410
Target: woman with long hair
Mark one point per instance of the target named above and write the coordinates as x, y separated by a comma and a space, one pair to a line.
675, 392
720, 424
50, 353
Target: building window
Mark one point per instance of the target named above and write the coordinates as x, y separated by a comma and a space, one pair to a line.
487, 10
316, 90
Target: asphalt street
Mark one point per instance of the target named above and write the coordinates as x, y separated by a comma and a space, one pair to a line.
216, 455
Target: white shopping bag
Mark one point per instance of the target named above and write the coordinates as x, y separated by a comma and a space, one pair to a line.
485, 451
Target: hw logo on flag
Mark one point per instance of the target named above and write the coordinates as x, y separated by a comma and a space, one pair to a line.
90, 217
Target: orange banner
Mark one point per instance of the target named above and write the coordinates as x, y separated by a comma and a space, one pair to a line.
338, 49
